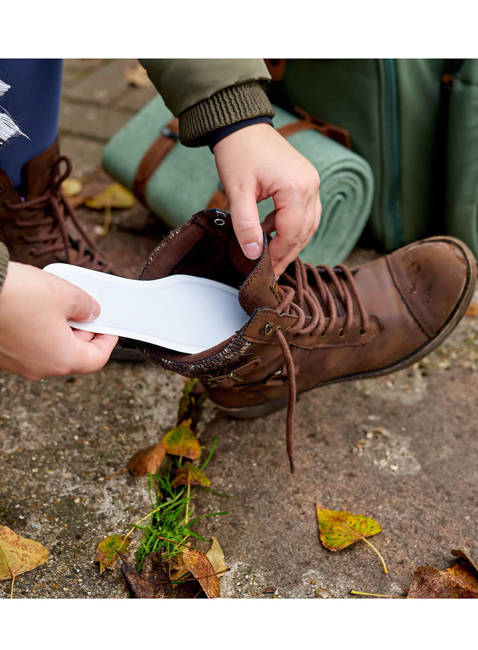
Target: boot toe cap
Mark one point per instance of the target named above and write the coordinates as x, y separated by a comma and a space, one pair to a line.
435, 278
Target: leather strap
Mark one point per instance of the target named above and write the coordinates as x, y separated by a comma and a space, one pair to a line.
154, 156
219, 199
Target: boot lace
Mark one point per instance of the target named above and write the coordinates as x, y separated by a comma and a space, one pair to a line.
297, 297
49, 215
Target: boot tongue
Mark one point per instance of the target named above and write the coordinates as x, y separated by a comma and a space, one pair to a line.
36, 173
260, 288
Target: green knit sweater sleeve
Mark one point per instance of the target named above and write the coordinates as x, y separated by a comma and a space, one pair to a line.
208, 94
3, 263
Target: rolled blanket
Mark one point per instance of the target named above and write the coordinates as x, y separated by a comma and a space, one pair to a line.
185, 179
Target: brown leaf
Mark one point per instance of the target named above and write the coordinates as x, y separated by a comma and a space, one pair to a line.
147, 461
137, 76
107, 551
468, 555
472, 310
457, 581
182, 442
19, 554
152, 582
215, 555
190, 474
114, 196
199, 565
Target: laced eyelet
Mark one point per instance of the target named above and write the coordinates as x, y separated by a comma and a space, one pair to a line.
362, 332
268, 329
341, 332
323, 334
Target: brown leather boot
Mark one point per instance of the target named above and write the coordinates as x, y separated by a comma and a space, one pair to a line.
36, 230
317, 325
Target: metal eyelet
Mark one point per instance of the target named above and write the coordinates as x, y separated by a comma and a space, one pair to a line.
268, 329
341, 332
219, 221
323, 334
362, 332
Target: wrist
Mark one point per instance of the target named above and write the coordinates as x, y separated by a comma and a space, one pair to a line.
228, 106
219, 134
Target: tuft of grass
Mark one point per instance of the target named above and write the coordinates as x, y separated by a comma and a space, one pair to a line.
169, 524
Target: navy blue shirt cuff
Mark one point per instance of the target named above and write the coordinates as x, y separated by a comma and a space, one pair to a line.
215, 136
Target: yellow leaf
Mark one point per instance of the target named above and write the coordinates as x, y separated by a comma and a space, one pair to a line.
107, 551
215, 555
181, 441
71, 187
199, 565
114, 196
339, 528
147, 461
19, 554
188, 474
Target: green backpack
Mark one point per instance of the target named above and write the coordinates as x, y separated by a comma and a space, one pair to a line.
415, 121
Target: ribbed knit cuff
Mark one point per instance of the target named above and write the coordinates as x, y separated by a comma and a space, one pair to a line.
230, 105
3, 263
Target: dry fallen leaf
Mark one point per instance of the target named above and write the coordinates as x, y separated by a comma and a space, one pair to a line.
147, 461
201, 568
152, 582
458, 581
472, 310
71, 187
19, 554
215, 555
339, 529
188, 474
137, 76
182, 442
107, 551
468, 555
114, 196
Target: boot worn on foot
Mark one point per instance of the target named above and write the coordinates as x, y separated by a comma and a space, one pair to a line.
317, 325
35, 229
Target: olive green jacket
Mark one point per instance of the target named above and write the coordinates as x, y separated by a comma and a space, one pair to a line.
206, 94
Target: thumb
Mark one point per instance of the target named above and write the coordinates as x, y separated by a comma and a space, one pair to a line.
82, 306
245, 220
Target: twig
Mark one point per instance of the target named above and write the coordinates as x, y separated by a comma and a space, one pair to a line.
365, 593
118, 473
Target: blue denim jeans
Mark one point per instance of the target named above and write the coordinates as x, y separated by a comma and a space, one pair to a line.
32, 103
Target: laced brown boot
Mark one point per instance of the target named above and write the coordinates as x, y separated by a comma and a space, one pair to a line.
36, 229
317, 325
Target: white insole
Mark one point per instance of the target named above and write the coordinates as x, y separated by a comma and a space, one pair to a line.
179, 312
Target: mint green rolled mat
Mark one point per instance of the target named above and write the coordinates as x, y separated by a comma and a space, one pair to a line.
187, 178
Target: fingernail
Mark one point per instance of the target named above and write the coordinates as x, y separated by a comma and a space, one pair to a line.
252, 250
96, 310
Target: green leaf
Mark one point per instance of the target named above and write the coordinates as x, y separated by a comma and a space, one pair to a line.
189, 474
339, 529
107, 551
182, 442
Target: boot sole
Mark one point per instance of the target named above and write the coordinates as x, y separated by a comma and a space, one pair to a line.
258, 410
